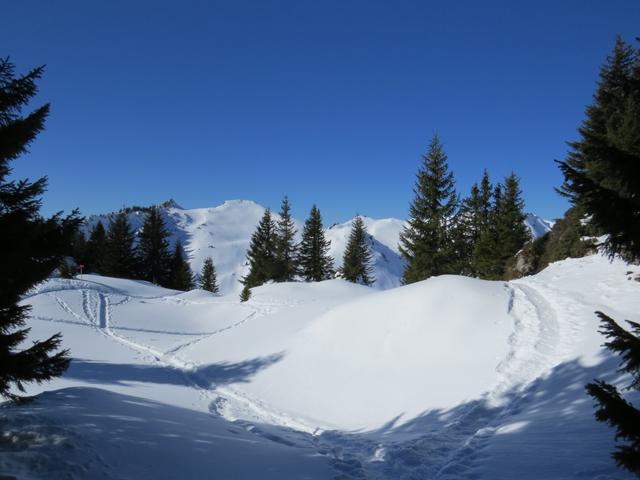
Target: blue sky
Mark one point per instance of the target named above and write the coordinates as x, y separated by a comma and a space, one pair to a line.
329, 102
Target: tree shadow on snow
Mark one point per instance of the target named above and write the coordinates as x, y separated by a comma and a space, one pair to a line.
545, 430
207, 376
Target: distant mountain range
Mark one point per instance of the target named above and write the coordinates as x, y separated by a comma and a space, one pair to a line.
224, 232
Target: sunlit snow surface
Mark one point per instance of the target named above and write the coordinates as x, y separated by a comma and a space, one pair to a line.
451, 378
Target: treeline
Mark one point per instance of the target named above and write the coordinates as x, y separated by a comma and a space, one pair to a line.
475, 236
275, 256
115, 252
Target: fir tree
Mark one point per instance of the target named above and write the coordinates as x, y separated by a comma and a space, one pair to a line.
181, 277
602, 170
261, 255
95, 250
487, 259
512, 233
31, 247
427, 242
245, 294
208, 280
602, 177
314, 260
357, 260
612, 407
153, 249
286, 248
120, 259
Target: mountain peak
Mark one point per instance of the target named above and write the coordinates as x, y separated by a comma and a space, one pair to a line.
171, 203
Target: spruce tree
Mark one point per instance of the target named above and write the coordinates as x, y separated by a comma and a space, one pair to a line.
120, 258
357, 261
426, 243
314, 260
95, 250
602, 177
602, 170
245, 294
286, 248
512, 233
487, 260
31, 247
153, 249
180, 275
261, 255
208, 280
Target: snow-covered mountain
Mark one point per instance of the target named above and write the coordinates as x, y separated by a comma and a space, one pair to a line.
224, 232
537, 226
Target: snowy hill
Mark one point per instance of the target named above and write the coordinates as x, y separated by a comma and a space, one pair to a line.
450, 378
224, 233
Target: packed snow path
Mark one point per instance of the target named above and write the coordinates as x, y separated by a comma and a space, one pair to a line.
452, 378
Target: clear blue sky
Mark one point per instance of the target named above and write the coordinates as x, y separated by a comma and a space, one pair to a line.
328, 102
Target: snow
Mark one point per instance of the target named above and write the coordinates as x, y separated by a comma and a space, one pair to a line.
224, 233
537, 226
450, 378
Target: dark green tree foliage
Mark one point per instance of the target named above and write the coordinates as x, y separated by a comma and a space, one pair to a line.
487, 258
208, 279
602, 170
512, 232
95, 250
314, 260
120, 258
181, 277
262, 254
612, 407
602, 176
357, 261
427, 242
31, 247
79, 248
286, 248
245, 294
153, 249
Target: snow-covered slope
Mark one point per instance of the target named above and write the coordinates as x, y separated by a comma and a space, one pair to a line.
451, 378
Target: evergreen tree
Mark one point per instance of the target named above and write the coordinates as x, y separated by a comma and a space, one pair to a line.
120, 259
357, 260
95, 251
612, 407
153, 249
512, 233
487, 259
79, 249
181, 277
208, 280
602, 176
286, 248
31, 247
314, 260
602, 170
427, 242
262, 253
245, 294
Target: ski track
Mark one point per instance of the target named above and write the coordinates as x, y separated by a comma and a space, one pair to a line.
538, 343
